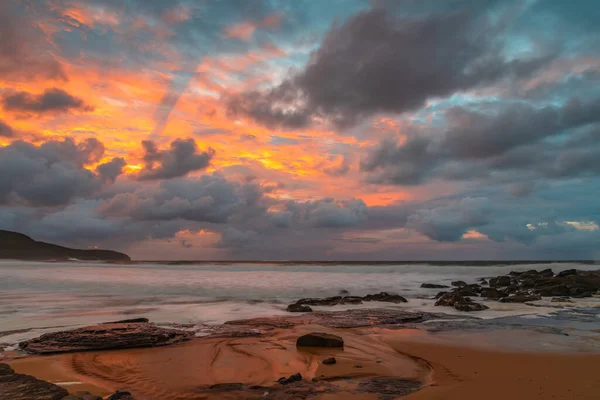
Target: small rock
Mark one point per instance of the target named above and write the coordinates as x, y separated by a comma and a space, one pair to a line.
351, 300
433, 286
130, 321
566, 272
490, 293
358, 366
546, 273
120, 395
343, 292
293, 378
319, 339
500, 281
386, 297
298, 308
459, 283
329, 361
326, 301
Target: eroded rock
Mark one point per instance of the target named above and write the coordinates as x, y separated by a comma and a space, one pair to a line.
105, 337
15, 386
433, 286
298, 308
385, 297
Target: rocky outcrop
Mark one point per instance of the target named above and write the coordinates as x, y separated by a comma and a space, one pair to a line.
105, 337
15, 386
456, 300
298, 308
320, 339
433, 286
329, 361
293, 378
520, 298
491, 293
385, 297
326, 301
120, 395
16, 246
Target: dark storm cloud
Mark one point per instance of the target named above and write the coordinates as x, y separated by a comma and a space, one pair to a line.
5, 130
500, 139
236, 239
50, 101
377, 62
323, 213
109, 171
23, 46
181, 158
209, 198
50, 174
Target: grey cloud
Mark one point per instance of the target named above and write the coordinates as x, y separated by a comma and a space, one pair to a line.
5, 130
492, 143
209, 198
50, 101
235, 238
329, 213
109, 171
377, 62
450, 222
50, 174
181, 158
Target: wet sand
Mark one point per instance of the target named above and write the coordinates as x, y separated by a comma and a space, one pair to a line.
401, 362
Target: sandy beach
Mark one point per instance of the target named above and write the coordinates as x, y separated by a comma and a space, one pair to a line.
374, 364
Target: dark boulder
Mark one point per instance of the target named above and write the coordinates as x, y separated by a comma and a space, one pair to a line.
433, 286
329, 361
548, 273
343, 292
520, 298
465, 292
15, 386
527, 283
298, 308
351, 300
293, 378
326, 301
320, 339
105, 337
440, 294
458, 283
566, 272
490, 293
120, 395
130, 321
456, 300
500, 281
386, 297
557, 290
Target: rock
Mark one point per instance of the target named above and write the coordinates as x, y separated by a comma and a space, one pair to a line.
557, 290
566, 272
433, 286
468, 293
343, 292
561, 300
490, 293
293, 378
483, 281
546, 273
351, 300
15, 386
459, 283
105, 337
386, 297
326, 301
329, 361
320, 339
520, 298
298, 308
456, 300
470, 306
440, 294
527, 283
130, 321
120, 395
500, 281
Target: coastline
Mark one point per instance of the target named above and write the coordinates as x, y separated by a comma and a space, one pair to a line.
229, 367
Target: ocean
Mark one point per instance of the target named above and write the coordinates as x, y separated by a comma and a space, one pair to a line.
40, 297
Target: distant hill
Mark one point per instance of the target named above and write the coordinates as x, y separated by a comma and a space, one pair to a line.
16, 246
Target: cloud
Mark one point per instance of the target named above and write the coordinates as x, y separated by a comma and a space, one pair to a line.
50, 101
24, 49
377, 62
338, 170
493, 143
209, 198
450, 222
181, 158
329, 213
5, 130
234, 238
50, 174
109, 171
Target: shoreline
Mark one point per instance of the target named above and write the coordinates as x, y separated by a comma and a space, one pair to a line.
231, 367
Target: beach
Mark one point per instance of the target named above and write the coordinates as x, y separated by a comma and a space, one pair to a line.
239, 343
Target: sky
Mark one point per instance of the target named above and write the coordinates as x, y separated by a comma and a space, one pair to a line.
303, 129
